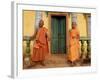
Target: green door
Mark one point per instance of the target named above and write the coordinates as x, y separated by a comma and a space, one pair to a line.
58, 33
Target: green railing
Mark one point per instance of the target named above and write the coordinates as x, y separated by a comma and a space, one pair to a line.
27, 39
27, 52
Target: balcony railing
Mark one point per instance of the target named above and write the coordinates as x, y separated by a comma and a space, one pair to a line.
85, 48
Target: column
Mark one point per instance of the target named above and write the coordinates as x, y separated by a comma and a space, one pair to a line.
38, 18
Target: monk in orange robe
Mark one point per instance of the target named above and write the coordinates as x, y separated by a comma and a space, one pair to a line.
74, 55
40, 46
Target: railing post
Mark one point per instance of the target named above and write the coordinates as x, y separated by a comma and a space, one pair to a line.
27, 50
88, 49
82, 48
27, 47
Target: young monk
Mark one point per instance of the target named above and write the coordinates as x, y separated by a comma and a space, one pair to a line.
40, 46
74, 46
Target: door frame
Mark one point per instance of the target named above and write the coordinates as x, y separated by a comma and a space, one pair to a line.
67, 37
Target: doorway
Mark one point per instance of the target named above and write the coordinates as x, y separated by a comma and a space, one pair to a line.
58, 34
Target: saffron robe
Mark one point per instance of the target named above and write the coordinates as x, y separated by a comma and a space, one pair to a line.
74, 45
40, 46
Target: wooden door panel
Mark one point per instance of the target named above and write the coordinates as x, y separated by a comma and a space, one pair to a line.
58, 40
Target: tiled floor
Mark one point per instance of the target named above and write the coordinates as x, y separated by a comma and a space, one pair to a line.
56, 60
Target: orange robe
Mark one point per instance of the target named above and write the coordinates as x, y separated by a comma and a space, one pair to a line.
74, 46
40, 47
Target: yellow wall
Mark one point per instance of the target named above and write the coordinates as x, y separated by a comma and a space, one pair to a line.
82, 25
28, 22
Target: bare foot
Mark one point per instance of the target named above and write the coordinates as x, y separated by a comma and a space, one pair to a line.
73, 64
42, 63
